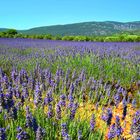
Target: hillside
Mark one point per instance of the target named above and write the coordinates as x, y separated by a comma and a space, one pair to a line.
87, 28
3, 29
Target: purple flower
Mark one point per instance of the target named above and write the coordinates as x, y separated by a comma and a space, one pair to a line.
67, 137
104, 117
118, 127
77, 81
49, 78
48, 99
37, 95
2, 134
29, 118
111, 133
134, 103
62, 101
1, 73
82, 75
117, 99
79, 135
71, 88
13, 113
107, 116
135, 127
22, 135
67, 75
34, 124
108, 93
1, 100
58, 112
124, 92
17, 93
73, 110
14, 74
50, 111
70, 98
72, 113
73, 74
124, 102
8, 101
25, 92
18, 105
64, 131
40, 133
70, 105
5, 81
23, 76
57, 80
92, 123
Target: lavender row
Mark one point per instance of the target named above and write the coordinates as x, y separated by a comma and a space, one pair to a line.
60, 92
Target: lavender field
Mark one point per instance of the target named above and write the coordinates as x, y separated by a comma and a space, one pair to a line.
63, 90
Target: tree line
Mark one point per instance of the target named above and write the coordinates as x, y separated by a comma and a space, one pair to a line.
12, 33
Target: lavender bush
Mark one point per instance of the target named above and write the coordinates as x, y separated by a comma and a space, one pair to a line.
50, 89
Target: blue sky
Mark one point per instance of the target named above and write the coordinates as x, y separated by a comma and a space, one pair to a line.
24, 14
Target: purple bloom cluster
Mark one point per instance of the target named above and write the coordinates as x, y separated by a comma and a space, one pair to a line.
108, 116
64, 131
62, 101
30, 120
115, 129
22, 135
48, 99
92, 123
28, 117
79, 135
118, 128
2, 134
50, 111
40, 133
135, 127
37, 95
58, 112
134, 103
112, 133
117, 99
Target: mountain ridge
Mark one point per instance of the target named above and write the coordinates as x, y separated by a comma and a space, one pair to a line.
86, 28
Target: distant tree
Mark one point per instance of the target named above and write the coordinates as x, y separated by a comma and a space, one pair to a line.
123, 37
39, 36
68, 38
19, 36
57, 37
138, 39
80, 38
11, 32
111, 39
48, 36
3, 34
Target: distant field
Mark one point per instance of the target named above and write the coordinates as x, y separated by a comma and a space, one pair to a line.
69, 90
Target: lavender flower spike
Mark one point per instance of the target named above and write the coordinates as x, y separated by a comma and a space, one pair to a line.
92, 123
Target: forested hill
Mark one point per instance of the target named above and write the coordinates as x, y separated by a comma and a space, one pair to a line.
106, 28
88, 28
